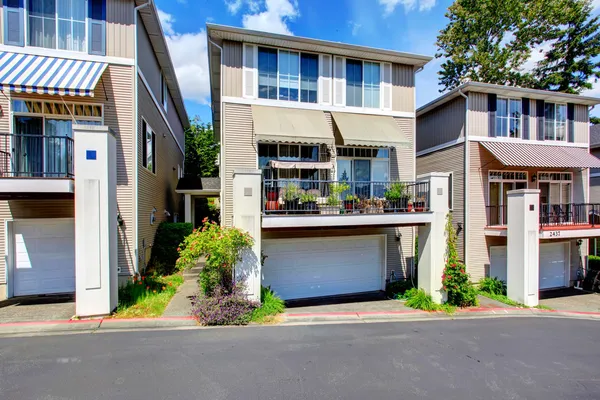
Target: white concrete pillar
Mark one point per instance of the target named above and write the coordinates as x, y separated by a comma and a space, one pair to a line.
188, 208
96, 279
247, 184
523, 246
432, 237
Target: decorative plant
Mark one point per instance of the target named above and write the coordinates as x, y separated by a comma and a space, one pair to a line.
455, 280
335, 191
308, 197
492, 285
291, 192
351, 197
224, 307
396, 191
222, 247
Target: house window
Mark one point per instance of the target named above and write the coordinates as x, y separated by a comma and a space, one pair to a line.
555, 187
164, 91
508, 117
354, 81
287, 152
500, 183
366, 169
372, 82
555, 121
148, 148
287, 75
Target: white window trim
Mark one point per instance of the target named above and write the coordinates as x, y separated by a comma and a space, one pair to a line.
566, 123
145, 167
381, 85
501, 181
164, 91
560, 182
508, 117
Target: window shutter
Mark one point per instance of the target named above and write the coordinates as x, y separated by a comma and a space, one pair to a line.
386, 86
250, 71
525, 103
339, 81
97, 27
571, 122
144, 147
13, 22
326, 77
541, 119
492, 98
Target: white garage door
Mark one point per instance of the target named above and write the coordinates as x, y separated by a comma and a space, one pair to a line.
315, 267
44, 256
553, 263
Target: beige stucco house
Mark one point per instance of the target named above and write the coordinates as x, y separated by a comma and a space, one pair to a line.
111, 68
495, 139
313, 115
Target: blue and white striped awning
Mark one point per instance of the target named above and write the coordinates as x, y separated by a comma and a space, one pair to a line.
49, 75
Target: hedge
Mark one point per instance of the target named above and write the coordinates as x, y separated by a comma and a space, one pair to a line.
164, 251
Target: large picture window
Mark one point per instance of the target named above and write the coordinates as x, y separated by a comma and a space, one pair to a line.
372, 83
508, 117
368, 170
363, 83
555, 126
287, 152
354, 82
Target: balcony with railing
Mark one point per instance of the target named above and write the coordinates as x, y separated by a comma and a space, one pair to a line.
36, 163
311, 203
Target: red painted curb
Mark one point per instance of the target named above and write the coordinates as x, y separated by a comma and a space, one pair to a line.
109, 320
99, 321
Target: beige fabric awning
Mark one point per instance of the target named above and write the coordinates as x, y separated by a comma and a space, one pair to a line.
540, 155
369, 130
278, 124
301, 165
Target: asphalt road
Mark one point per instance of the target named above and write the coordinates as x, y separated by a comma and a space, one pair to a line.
518, 358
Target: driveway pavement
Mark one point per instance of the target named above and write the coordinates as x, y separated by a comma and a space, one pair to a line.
507, 358
48, 308
570, 300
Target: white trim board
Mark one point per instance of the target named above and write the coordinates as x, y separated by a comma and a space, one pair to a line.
440, 147
314, 106
526, 141
160, 109
71, 55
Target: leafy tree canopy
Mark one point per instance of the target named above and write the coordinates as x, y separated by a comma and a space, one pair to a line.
201, 150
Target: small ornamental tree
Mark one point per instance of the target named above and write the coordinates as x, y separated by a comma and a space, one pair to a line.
455, 280
222, 247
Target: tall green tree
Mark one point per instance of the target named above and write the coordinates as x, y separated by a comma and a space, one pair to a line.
571, 61
201, 150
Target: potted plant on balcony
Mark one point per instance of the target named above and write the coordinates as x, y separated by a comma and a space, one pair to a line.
333, 203
350, 202
272, 194
309, 202
397, 197
291, 197
419, 203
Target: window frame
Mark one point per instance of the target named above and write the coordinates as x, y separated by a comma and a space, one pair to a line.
380, 86
508, 117
372, 183
58, 116
145, 127
278, 158
300, 53
501, 180
555, 124
164, 91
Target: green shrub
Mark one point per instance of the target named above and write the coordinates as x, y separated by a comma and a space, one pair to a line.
169, 236
492, 286
396, 290
270, 306
417, 298
594, 263
147, 296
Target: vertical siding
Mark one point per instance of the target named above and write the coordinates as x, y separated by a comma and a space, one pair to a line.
148, 63
582, 126
443, 124
403, 88
452, 160
239, 150
120, 41
232, 69
156, 190
478, 114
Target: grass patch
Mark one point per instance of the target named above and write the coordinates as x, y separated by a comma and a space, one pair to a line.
543, 307
147, 297
418, 299
503, 299
271, 306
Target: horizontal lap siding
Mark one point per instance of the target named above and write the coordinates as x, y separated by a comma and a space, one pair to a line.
441, 125
452, 160
156, 190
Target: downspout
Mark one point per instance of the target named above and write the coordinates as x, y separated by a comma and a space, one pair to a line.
221, 129
466, 181
136, 137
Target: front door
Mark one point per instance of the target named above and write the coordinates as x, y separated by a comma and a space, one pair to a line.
362, 173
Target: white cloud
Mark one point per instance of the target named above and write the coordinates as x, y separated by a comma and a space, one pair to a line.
537, 55
275, 17
190, 57
595, 4
355, 27
389, 6
233, 6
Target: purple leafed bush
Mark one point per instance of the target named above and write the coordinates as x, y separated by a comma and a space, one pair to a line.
223, 307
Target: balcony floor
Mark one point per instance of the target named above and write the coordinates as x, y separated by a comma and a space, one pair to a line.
553, 231
37, 185
324, 220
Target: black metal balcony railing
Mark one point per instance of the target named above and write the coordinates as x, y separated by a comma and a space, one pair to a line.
569, 214
35, 156
284, 197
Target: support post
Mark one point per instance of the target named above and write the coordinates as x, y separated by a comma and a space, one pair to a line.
247, 201
96, 280
432, 238
188, 208
523, 246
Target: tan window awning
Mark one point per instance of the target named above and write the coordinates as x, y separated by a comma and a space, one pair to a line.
369, 130
541, 155
278, 124
301, 165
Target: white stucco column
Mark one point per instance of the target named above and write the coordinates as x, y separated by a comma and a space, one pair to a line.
188, 208
523, 246
432, 238
247, 208
96, 280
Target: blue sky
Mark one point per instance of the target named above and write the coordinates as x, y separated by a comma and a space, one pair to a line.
404, 25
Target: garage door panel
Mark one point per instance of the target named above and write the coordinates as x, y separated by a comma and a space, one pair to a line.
303, 268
